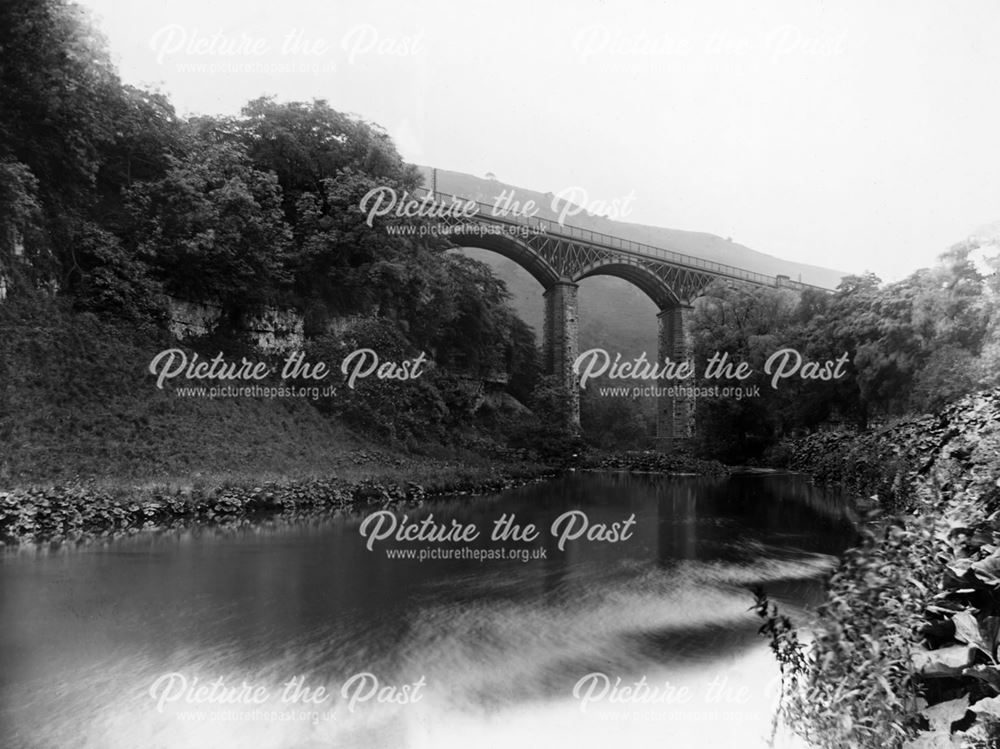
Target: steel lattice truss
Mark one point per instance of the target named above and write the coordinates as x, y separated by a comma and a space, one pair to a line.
555, 253
665, 282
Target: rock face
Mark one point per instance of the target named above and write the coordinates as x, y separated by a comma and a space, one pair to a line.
276, 331
273, 331
191, 319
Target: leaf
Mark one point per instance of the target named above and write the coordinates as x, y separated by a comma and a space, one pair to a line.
942, 662
987, 674
967, 630
959, 567
990, 627
989, 706
975, 735
943, 714
989, 567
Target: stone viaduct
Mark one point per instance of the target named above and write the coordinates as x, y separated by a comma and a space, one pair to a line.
560, 256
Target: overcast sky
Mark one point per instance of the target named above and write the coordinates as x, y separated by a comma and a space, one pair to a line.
857, 135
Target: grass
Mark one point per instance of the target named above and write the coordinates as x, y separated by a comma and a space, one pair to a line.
78, 406
89, 446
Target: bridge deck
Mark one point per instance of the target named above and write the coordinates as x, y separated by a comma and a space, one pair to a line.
485, 212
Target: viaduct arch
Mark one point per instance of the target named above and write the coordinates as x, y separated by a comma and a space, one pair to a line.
560, 256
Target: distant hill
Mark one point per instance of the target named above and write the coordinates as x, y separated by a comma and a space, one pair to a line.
613, 313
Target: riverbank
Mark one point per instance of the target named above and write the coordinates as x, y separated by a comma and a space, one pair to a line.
650, 461
904, 652
83, 511
78, 512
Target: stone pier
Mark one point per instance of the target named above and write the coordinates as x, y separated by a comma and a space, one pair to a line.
675, 416
560, 342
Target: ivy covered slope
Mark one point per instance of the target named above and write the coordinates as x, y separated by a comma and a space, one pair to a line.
905, 649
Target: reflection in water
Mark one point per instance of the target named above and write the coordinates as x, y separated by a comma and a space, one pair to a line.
499, 644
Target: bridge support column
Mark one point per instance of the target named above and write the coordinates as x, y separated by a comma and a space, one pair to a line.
560, 343
675, 416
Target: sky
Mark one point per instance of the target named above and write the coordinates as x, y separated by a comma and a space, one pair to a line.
857, 135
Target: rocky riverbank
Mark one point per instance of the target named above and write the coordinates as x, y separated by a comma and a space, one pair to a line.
82, 511
904, 651
648, 461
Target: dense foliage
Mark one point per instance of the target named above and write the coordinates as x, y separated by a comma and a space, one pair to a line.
912, 346
110, 200
904, 650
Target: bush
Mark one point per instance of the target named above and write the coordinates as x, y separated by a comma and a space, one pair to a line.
905, 649
854, 686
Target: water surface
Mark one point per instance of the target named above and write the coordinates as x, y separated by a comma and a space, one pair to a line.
491, 649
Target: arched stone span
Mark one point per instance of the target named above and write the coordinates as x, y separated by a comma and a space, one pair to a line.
512, 249
560, 333
639, 276
674, 413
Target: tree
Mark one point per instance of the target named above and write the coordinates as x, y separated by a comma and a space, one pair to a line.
147, 138
213, 228
613, 423
307, 143
20, 217
747, 324
57, 85
850, 321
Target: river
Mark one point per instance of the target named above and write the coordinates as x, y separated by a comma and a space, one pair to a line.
299, 635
